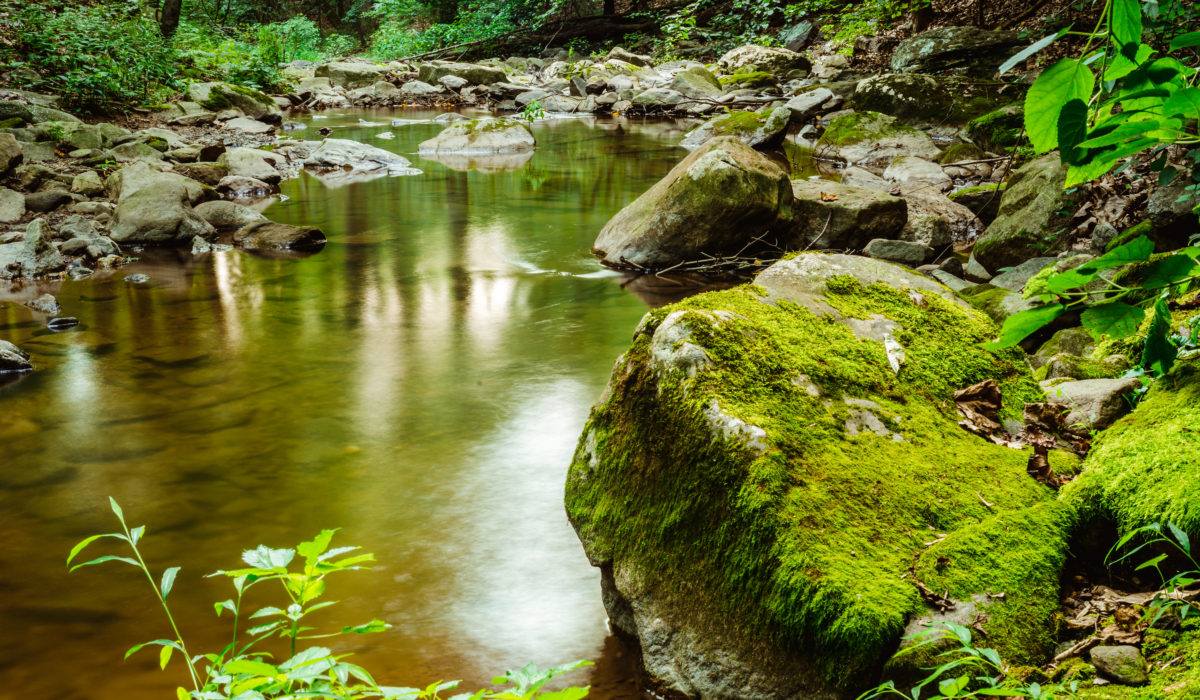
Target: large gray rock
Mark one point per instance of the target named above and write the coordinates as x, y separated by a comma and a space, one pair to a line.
751, 128
228, 215
12, 206
832, 215
963, 50
926, 99
715, 201
872, 141
481, 137
36, 256
767, 59
1033, 210
658, 99
904, 252
218, 97
1171, 211
267, 235
906, 170
13, 359
620, 54
417, 87
10, 153
934, 219
473, 73
1014, 278
1121, 664
141, 175
47, 200
807, 105
88, 184
697, 83
350, 75
161, 214
1093, 403
82, 238
248, 126
250, 162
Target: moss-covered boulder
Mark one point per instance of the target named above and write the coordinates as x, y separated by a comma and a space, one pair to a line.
768, 462
216, 97
754, 129
1032, 216
926, 99
473, 73
697, 83
716, 201
481, 137
872, 140
350, 74
984, 200
999, 129
960, 50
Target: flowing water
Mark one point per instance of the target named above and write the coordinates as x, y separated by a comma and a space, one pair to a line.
420, 384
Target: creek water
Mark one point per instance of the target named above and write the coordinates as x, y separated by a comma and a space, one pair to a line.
420, 384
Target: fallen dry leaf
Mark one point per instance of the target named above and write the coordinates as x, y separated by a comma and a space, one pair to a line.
828, 197
979, 406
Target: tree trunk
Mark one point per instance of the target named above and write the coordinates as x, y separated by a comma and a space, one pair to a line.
168, 21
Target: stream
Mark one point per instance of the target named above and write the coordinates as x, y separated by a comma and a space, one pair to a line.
419, 384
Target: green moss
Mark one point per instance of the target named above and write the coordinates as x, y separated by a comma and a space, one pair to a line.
861, 126
805, 544
738, 123
1142, 228
1076, 367
750, 79
12, 123
960, 152
997, 130
1142, 470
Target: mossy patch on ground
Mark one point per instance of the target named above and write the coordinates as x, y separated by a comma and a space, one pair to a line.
803, 537
750, 79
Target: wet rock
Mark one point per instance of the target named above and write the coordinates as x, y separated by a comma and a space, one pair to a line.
138, 278
12, 359
35, 256
12, 206
63, 323
237, 187
88, 184
1093, 403
160, 214
45, 304
904, 252
228, 215
83, 239
473, 73
1120, 664
752, 58
47, 201
961, 50
906, 170
267, 235
832, 215
756, 130
209, 174
217, 97
1033, 213
250, 162
873, 141
715, 201
143, 176
10, 153
481, 137
807, 105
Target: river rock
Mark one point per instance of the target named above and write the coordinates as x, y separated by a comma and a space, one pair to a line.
88, 184
715, 201
832, 215
47, 201
658, 99
82, 238
473, 73
250, 162
161, 214
984, 200
239, 187
903, 252
1121, 664
12, 206
350, 74
760, 454
13, 359
926, 99
809, 104
906, 170
417, 87
348, 155
206, 173
766, 59
762, 131
697, 83
267, 235
620, 54
228, 215
481, 137
142, 175
217, 97
962, 50
873, 141
35, 256
248, 126
1033, 212
1093, 403
10, 153
1171, 213
934, 219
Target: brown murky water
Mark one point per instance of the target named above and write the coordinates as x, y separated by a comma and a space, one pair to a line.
419, 384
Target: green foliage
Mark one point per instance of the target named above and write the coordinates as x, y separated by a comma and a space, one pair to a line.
967, 672
95, 57
533, 112
1157, 537
852, 20
242, 669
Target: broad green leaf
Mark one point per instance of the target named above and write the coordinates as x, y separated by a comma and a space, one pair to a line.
164, 656
1126, 22
112, 503
1071, 279
80, 547
135, 535
1066, 80
168, 580
1079, 174
1030, 50
225, 605
1122, 66
101, 560
1150, 562
306, 657
1072, 131
1122, 134
1168, 271
251, 667
263, 629
1182, 538
1137, 250
1184, 41
264, 612
1185, 102
572, 693
313, 549
1117, 320
182, 694
1158, 354
1021, 325
264, 557
312, 591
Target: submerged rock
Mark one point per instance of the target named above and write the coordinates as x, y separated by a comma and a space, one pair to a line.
347, 155
716, 201
267, 235
228, 215
768, 462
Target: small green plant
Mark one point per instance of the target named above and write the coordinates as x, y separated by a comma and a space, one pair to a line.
243, 669
1171, 598
533, 112
968, 672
